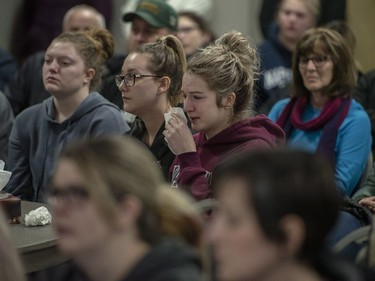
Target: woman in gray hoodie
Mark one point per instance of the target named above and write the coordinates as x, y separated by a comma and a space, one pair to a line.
71, 71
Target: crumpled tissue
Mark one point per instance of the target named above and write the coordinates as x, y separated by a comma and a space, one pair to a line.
174, 110
39, 216
168, 116
4, 175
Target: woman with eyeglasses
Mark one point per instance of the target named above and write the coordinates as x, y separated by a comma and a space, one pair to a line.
150, 85
321, 115
72, 70
117, 220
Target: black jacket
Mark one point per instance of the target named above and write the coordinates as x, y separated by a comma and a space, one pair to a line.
159, 147
169, 260
364, 93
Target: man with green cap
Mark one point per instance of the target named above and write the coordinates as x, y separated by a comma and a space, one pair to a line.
150, 20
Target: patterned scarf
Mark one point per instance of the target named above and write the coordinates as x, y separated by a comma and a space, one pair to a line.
330, 119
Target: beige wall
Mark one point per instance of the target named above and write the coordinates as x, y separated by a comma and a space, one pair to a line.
240, 15
361, 17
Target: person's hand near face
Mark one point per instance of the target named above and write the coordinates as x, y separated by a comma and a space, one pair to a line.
178, 135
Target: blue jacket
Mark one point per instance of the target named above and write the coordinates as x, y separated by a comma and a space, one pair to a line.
353, 144
276, 72
37, 139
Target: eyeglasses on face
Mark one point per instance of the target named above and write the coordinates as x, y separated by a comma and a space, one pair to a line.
318, 61
129, 79
72, 195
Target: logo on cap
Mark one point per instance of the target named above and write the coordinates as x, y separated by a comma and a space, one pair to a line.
152, 8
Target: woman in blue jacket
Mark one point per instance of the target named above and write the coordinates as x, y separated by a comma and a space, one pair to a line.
321, 115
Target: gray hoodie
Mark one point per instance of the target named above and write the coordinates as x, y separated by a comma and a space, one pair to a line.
37, 139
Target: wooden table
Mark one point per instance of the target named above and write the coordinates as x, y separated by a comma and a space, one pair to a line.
37, 245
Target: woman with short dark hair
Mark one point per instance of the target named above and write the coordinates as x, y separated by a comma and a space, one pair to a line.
275, 209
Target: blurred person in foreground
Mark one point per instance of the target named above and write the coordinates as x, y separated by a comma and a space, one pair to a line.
116, 218
275, 209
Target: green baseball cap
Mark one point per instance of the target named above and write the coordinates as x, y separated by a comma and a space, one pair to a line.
156, 13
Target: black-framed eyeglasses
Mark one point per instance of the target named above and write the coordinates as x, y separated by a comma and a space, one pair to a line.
318, 61
71, 195
129, 79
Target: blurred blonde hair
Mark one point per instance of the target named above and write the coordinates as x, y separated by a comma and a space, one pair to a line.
117, 166
181, 218
185, 219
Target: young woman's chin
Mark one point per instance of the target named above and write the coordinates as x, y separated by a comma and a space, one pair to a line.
69, 245
128, 107
50, 88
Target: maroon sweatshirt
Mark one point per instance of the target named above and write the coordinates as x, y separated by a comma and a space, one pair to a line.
192, 170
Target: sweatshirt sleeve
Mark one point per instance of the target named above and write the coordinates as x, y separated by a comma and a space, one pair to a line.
193, 178
20, 183
353, 149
